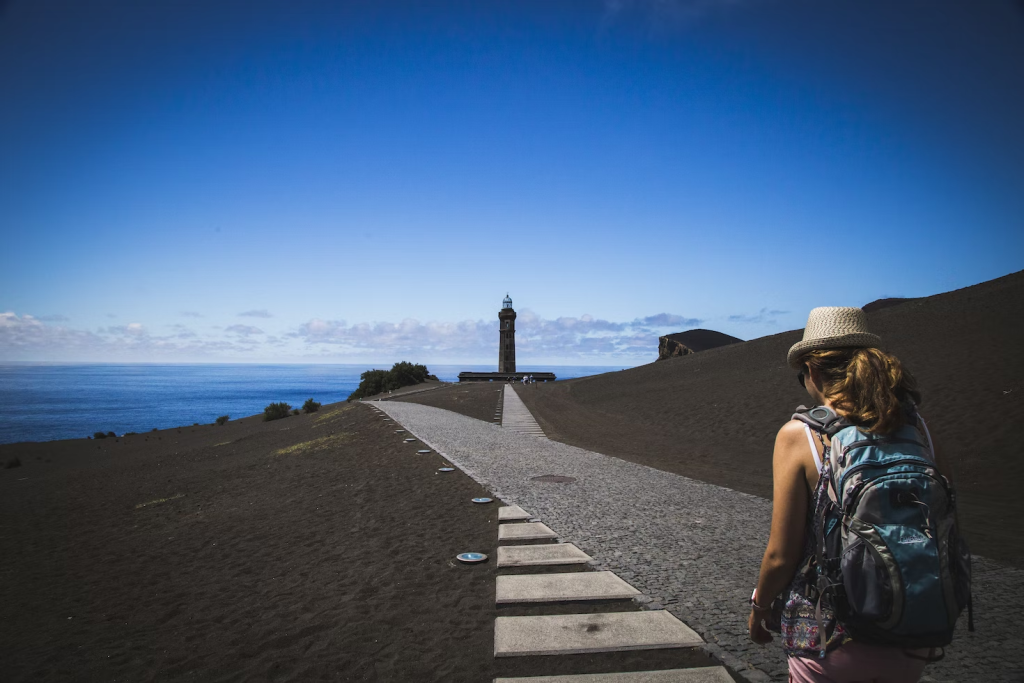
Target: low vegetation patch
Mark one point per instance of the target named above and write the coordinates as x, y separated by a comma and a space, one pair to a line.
400, 375
331, 416
159, 500
315, 445
275, 411
310, 406
222, 419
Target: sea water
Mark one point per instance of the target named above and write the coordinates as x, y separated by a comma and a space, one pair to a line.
42, 402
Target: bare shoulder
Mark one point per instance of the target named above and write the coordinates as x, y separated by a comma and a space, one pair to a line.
791, 434
792, 451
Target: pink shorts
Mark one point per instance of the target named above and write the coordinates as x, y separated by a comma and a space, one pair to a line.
859, 663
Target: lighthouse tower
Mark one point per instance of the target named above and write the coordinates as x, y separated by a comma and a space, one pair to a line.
507, 337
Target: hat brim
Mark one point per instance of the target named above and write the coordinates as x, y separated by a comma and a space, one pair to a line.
861, 340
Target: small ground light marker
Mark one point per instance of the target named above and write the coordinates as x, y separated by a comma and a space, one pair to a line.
446, 469
408, 440
399, 431
481, 501
424, 450
471, 558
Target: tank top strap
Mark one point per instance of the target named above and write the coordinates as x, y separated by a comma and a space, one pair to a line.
814, 449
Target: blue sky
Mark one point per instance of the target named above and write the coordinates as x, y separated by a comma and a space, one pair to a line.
364, 181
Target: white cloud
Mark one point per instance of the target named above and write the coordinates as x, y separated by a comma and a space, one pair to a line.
28, 338
261, 313
581, 338
27, 333
584, 337
129, 330
763, 317
243, 330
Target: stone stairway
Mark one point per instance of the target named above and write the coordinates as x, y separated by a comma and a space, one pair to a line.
572, 634
515, 415
583, 612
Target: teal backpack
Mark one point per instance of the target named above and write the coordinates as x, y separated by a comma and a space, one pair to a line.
889, 556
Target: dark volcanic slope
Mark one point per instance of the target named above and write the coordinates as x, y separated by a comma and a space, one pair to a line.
879, 304
713, 415
702, 340
479, 400
317, 547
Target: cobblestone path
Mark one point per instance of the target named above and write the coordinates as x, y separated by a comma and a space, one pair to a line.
691, 547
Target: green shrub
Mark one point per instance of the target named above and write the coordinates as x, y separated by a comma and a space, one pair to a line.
222, 419
99, 435
275, 411
402, 374
295, 411
310, 406
370, 382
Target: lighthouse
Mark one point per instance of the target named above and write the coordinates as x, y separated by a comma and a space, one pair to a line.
506, 353
507, 337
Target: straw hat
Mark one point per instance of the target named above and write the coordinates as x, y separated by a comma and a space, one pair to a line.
831, 327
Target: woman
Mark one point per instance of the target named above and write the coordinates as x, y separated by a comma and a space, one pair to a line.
841, 367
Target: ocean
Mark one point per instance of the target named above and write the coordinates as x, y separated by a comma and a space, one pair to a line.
43, 402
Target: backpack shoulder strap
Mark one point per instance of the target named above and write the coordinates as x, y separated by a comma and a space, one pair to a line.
821, 419
928, 437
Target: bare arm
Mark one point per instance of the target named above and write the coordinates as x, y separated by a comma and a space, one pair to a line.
791, 463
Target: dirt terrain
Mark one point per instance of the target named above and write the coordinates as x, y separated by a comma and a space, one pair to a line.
713, 415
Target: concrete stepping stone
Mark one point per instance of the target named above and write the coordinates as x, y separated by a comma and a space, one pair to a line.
512, 513
567, 634
700, 674
530, 555
527, 531
563, 588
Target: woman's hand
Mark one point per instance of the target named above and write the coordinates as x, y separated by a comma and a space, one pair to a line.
758, 633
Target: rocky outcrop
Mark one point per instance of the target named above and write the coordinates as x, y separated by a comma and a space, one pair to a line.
668, 348
692, 341
879, 304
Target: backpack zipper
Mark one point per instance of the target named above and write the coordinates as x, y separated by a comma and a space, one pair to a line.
862, 486
915, 460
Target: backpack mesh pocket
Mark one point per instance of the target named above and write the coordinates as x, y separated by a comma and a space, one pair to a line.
867, 580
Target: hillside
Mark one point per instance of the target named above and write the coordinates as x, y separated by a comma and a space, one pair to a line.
692, 341
713, 415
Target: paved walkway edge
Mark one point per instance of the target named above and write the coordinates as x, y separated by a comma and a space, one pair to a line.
994, 648
719, 653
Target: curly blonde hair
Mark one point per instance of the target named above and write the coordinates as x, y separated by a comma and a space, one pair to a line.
867, 386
